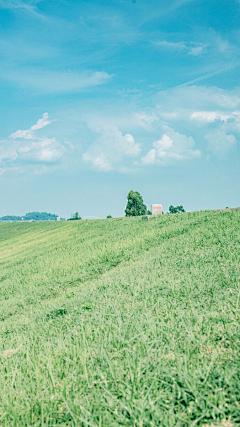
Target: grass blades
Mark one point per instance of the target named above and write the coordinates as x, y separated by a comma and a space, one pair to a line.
121, 322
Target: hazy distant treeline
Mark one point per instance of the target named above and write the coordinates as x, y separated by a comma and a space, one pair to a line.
35, 216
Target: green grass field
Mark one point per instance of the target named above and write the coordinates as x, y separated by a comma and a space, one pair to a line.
121, 322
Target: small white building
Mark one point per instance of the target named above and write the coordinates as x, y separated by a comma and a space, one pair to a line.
156, 209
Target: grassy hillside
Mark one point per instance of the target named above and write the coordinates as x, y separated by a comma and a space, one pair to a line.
121, 322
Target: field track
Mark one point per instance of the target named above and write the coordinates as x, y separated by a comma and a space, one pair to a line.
121, 322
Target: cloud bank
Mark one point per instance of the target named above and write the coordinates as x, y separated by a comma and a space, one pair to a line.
28, 134
186, 124
172, 147
111, 149
25, 147
56, 81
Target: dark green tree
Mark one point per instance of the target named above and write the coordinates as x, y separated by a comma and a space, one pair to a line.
135, 205
75, 216
172, 209
109, 216
176, 209
180, 209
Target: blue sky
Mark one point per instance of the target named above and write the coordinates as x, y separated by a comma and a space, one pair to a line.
101, 97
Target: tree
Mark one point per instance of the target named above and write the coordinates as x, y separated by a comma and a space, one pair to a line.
149, 212
75, 217
180, 209
172, 209
135, 205
109, 216
177, 209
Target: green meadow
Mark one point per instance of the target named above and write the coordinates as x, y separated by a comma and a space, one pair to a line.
121, 322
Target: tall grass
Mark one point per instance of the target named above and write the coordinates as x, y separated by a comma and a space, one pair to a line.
121, 322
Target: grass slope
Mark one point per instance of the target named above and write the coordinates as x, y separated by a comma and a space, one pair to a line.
121, 322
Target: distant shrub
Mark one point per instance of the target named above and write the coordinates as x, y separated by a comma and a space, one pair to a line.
109, 216
75, 217
177, 209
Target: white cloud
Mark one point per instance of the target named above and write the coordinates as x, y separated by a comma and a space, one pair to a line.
176, 45
196, 50
41, 150
192, 48
222, 122
23, 6
198, 98
24, 148
28, 134
111, 149
8, 151
210, 116
208, 42
194, 110
56, 81
172, 147
219, 141
3, 170
49, 155
145, 120
198, 107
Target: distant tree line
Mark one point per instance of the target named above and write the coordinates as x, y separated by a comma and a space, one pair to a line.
35, 216
136, 207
